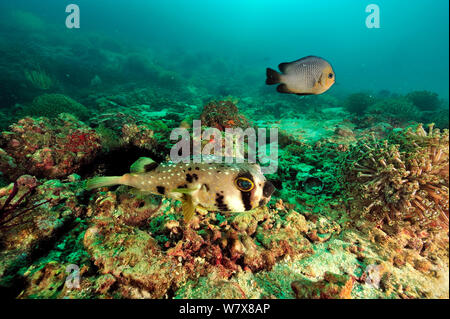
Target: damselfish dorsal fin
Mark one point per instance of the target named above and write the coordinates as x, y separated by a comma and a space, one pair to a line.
283, 66
142, 165
188, 209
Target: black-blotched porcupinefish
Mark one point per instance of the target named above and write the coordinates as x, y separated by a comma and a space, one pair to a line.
235, 187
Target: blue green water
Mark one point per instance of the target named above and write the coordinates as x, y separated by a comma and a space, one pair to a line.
410, 50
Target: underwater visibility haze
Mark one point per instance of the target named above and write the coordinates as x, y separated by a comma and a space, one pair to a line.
99, 98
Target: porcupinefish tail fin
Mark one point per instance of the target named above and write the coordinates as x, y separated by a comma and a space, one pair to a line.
273, 77
103, 181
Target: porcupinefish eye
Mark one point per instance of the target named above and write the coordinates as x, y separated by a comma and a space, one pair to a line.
330, 75
244, 184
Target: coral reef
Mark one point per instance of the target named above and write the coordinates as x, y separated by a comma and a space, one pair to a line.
51, 105
440, 117
3, 122
359, 102
32, 215
318, 238
424, 100
223, 114
332, 286
135, 127
47, 148
404, 179
360, 210
249, 241
395, 110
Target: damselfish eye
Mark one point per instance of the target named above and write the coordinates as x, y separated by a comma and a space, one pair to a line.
330, 75
244, 184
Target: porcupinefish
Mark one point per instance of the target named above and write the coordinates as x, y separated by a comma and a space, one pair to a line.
235, 187
309, 75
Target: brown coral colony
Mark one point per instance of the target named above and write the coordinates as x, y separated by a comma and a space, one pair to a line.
401, 184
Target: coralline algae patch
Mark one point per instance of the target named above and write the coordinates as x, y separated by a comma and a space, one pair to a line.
315, 239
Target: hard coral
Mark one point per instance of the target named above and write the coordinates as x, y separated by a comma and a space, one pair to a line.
223, 114
252, 241
424, 100
395, 110
359, 102
51, 105
404, 179
47, 148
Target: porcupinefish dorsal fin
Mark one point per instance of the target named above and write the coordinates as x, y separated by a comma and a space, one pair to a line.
142, 165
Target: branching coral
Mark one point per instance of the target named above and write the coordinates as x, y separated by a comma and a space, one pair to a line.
404, 179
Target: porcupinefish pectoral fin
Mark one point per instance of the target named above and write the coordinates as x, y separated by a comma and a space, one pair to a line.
187, 204
142, 165
188, 209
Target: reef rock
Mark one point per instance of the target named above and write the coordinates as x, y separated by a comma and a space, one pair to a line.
47, 148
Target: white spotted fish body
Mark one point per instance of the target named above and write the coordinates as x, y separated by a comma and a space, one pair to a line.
235, 187
306, 76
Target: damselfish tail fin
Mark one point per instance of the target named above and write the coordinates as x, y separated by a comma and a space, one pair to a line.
97, 182
273, 77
